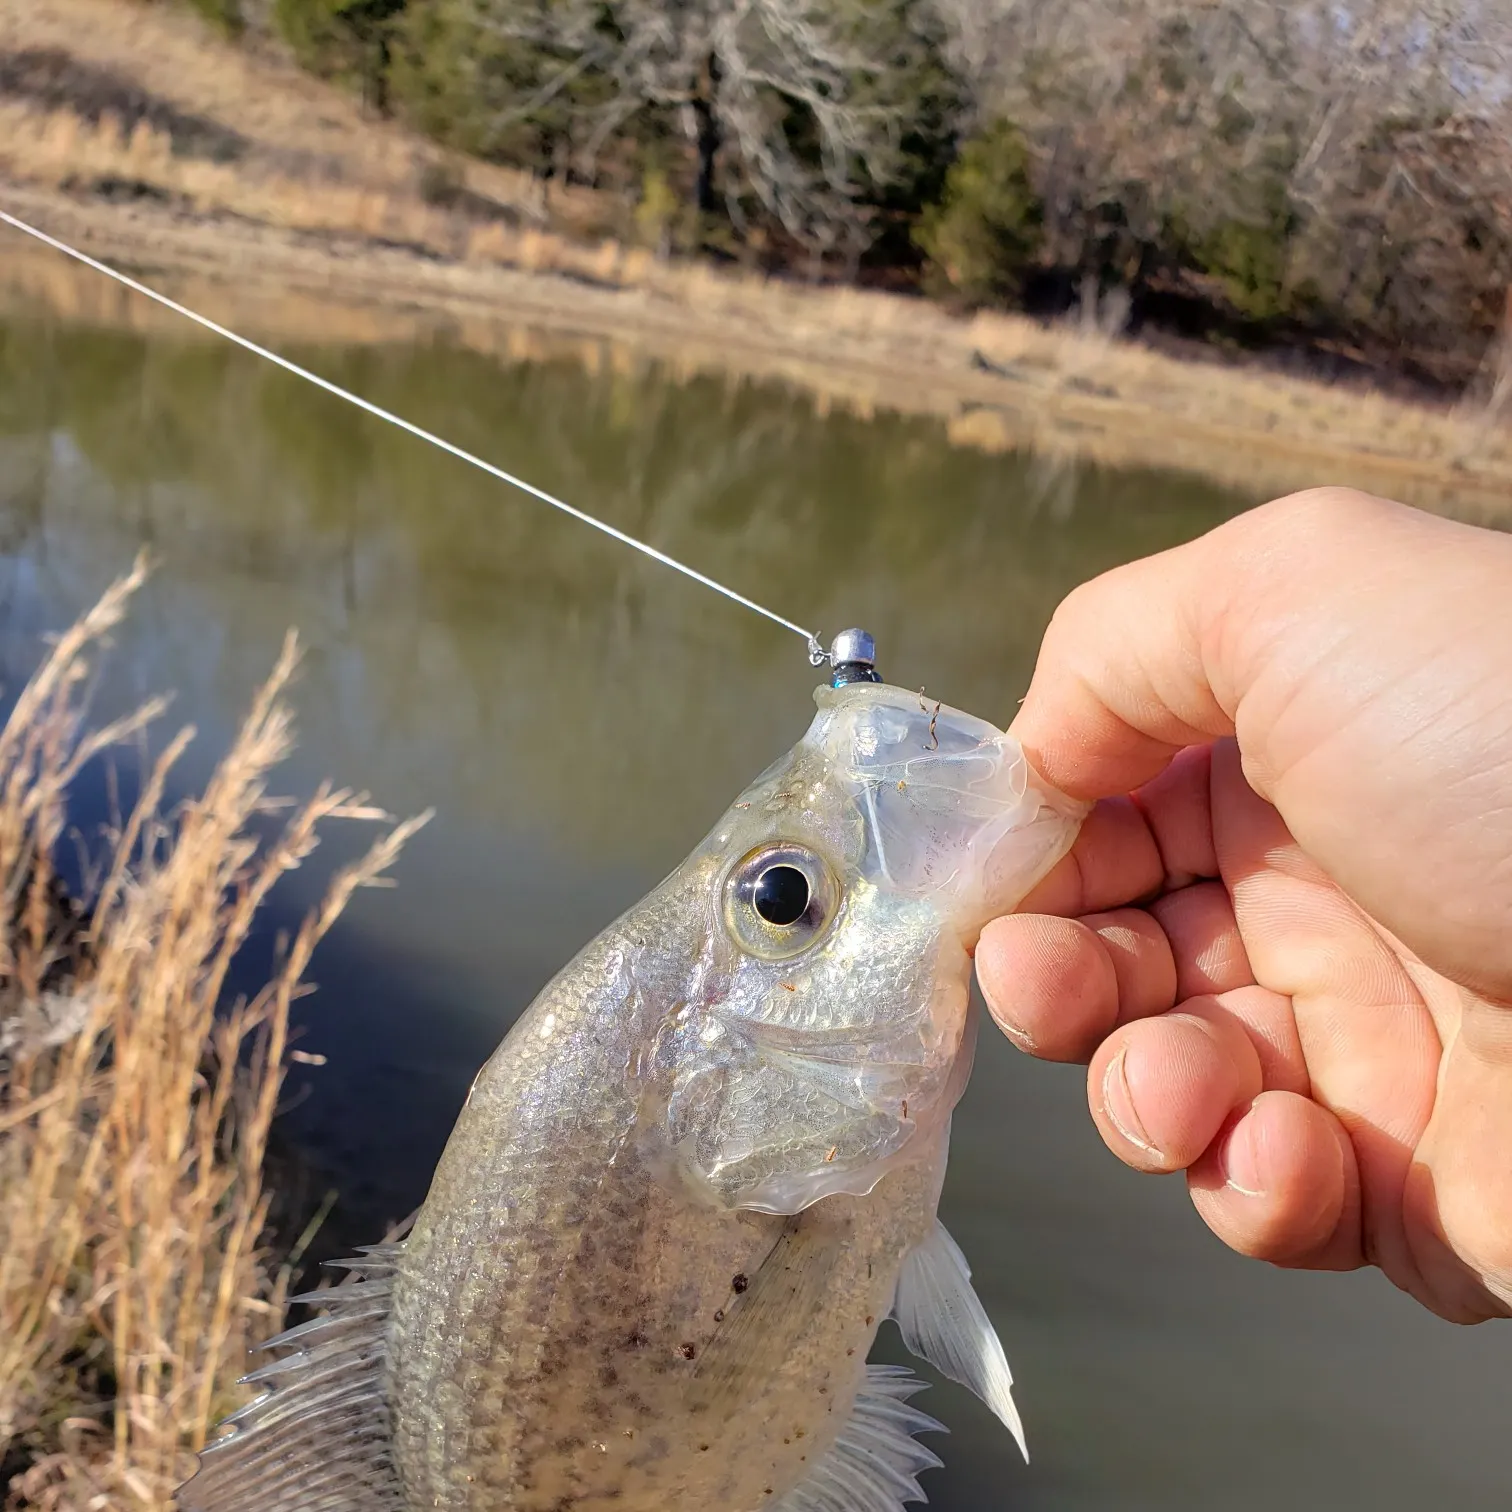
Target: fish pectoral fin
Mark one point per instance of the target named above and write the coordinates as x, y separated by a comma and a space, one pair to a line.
874, 1464
942, 1320
317, 1435
761, 1327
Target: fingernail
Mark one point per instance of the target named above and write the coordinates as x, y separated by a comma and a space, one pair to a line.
1240, 1159
1118, 1104
1020, 1037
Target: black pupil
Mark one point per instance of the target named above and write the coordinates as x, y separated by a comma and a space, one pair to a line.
781, 895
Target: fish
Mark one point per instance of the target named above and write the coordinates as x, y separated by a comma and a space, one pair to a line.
697, 1174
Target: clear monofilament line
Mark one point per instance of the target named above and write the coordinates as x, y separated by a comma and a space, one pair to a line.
816, 653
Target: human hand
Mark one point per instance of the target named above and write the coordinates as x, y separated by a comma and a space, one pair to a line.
1283, 940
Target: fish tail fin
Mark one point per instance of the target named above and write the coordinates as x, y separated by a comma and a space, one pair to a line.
316, 1437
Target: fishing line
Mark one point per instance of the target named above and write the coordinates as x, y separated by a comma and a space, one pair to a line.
816, 652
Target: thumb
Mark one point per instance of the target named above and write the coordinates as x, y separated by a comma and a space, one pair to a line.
1161, 653
1356, 649
1459, 1191
1122, 681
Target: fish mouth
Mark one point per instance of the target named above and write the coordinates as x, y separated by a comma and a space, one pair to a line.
951, 808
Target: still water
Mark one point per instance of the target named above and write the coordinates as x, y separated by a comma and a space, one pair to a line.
577, 716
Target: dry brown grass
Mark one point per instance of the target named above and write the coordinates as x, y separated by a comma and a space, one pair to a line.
61, 147
135, 1101
293, 123
56, 147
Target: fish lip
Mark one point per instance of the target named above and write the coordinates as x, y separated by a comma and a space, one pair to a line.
939, 791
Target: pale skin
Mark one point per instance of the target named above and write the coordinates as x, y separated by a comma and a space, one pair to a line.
1283, 942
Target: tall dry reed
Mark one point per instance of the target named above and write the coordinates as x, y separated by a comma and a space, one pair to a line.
136, 1093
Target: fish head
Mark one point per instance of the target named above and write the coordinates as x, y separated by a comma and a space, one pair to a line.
823, 1036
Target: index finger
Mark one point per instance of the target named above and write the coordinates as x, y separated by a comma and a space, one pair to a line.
1132, 848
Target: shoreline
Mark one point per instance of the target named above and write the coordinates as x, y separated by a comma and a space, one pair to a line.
998, 383
277, 201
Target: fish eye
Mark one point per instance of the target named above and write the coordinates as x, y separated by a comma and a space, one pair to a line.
780, 895
779, 900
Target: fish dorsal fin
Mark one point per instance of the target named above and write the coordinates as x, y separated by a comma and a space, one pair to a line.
316, 1438
875, 1463
942, 1320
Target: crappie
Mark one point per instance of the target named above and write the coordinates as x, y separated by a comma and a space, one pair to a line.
694, 1178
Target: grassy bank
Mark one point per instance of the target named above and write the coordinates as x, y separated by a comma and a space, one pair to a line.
135, 1100
158, 144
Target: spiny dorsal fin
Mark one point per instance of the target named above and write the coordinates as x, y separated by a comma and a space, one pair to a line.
942, 1320
316, 1439
875, 1463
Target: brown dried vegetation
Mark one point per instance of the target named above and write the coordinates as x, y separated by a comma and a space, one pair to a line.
136, 1093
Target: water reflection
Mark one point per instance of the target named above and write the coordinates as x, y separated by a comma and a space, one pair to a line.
236, 475
578, 715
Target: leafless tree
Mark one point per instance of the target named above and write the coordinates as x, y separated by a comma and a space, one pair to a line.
792, 105
1380, 135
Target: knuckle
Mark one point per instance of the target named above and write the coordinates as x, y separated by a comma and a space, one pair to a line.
1324, 510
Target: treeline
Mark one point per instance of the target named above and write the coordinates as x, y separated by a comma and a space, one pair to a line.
1269, 171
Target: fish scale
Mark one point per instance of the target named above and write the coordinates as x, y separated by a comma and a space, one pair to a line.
701, 1169
610, 1340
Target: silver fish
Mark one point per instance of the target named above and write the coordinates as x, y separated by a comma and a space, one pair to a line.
694, 1178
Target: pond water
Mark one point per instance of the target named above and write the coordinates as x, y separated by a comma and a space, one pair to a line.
577, 716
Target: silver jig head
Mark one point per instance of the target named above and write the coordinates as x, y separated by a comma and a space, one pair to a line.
853, 658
